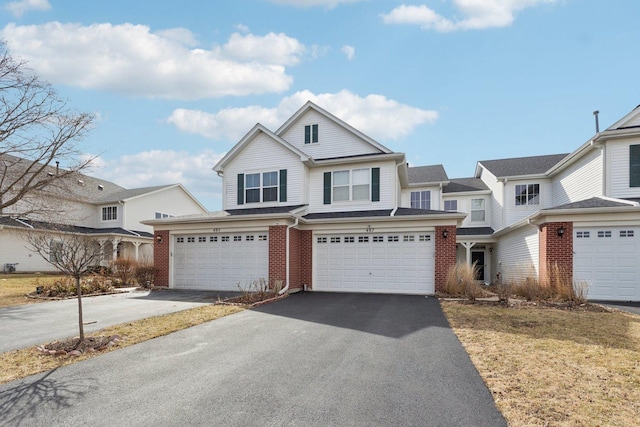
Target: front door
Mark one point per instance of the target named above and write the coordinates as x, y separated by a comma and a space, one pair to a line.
477, 258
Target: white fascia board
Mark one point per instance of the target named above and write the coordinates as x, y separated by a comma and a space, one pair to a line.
428, 184
543, 216
572, 158
398, 157
467, 193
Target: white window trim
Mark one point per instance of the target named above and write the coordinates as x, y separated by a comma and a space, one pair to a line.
104, 213
526, 205
419, 192
484, 209
350, 185
262, 187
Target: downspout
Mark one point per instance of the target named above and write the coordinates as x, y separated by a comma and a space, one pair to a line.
286, 286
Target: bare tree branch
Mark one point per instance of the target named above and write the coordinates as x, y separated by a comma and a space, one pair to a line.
37, 130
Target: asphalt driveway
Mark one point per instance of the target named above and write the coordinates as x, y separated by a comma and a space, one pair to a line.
311, 359
33, 324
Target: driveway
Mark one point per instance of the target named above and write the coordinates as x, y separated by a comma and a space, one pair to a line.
628, 306
311, 359
33, 324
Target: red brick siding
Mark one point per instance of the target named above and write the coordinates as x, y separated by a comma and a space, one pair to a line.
306, 257
556, 251
294, 258
445, 254
278, 253
161, 258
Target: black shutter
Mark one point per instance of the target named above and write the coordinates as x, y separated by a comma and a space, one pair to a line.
327, 188
634, 166
241, 189
283, 185
375, 184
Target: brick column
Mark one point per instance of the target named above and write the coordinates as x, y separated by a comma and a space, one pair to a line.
556, 252
294, 258
278, 253
306, 258
445, 254
161, 258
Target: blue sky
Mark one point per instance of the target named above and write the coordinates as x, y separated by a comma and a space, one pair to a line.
174, 85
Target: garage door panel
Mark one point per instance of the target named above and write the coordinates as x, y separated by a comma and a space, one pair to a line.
220, 262
384, 263
608, 259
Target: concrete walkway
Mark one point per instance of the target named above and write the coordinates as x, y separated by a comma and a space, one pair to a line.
34, 324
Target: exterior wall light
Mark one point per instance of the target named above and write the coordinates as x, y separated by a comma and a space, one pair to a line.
159, 238
561, 231
445, 233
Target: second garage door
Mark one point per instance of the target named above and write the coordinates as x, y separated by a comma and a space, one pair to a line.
376, 263
220, 261
608, 260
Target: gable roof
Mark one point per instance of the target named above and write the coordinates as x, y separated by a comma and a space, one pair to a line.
462, 185
45, 226
248, 138
311, 106
520, 166
630, 120
427, 174
594, 202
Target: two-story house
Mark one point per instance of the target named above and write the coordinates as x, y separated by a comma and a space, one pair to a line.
87, 205
318, 205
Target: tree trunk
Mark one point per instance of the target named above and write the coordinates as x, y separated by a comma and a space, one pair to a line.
80, 321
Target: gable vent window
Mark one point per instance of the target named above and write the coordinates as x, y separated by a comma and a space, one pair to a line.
110, 213
311, 134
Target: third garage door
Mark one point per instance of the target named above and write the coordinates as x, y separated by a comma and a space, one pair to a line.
377, 263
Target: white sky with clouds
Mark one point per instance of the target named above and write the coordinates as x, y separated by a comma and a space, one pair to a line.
451, 82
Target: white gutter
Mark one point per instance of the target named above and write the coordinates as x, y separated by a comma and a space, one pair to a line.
286, 286
23, 223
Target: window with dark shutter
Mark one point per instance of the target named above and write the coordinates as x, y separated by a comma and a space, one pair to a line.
283, 185
634, 165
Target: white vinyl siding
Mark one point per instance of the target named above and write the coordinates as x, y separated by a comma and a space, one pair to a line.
580, 181
513, 212
333, 141
387, 188
618, 169
497, 213
434, 198
265, 155
517, 255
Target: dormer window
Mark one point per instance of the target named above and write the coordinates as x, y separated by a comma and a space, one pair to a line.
110, 213
311, 134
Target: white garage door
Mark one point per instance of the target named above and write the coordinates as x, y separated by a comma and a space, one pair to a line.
220, 261
377, 263
608, 260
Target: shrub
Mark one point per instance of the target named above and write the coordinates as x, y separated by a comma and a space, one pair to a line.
461, 281
123, 270
145, 275
65, 286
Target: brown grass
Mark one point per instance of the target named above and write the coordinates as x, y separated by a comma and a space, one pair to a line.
461, 281
14, 287
21, 363
555, 367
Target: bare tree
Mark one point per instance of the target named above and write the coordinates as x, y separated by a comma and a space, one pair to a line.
37, 130
71, 253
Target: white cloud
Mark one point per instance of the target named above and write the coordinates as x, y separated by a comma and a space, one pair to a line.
350, 51
130, 59
375, 115
477, 14
242, 28
160, 167
19, 8
329, 4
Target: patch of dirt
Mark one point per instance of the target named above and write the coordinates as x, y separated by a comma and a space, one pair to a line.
74, 346
253, 299
520, 304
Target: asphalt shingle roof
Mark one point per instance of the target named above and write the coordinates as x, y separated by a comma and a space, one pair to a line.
427, 174
474, 231
262, 211
534, 165
460, 185
39, 225
594, 202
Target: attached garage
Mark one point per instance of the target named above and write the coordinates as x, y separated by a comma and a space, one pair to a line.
220, 261
375, 263
608, 260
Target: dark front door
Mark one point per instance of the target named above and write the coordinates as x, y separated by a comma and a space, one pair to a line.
477, 258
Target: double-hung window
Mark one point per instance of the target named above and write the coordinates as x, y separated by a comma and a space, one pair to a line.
310, 134
421, 199
527, 194
110, 213
451, 205
477, 210
260, 187
352, 185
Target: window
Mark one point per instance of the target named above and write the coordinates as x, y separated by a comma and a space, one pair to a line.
310, 134
582, 234
161, 215
262, 237
213, 238
425, 238
253, 187
55, 251
335, 239
527, 194
349, 239
270, 187
626, 233
392, 238
363, 239
110, 213
191, 239
378, 239
346, 185
249, 238
421, 199
237, 238
408, 238
477, 209
224, 239
604, 233
180, 240
202, 239
451, 205
322, 240
634, 165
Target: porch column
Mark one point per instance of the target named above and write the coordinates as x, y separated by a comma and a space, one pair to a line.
114, 243
468, 246
101, 242
136, 244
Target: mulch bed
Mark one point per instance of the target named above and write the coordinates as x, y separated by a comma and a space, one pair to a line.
75, 347
520, 304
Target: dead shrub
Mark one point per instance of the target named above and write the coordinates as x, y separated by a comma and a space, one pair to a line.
65, 287
461, 281
145, 274
123, 269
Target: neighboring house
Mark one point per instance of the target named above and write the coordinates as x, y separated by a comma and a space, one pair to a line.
319, 205
91, 206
